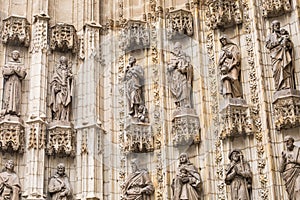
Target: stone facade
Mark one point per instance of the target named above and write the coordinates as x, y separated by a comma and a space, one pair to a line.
99, 137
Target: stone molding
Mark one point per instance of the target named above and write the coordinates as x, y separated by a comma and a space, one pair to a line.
40, 33
179, 23
63, 38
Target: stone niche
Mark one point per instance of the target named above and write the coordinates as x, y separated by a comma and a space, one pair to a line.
16, 31
134, 35
271, 8
63, 38
185, 127
286, 109
235, 120
61, 139
179, 24
223, 13
12, 134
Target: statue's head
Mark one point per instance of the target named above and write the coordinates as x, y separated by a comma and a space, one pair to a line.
224, 40
134, 165
15, 55
235, 155
275, 26
61, 169
63, 61
183, 158
132, 60
289, 142
9, 165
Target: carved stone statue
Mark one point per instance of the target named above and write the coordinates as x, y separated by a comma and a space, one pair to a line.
10, 187
239, 176
134, 78
13, 73
180, 74
61, 91
138, 184
59, 185
229, 63
290, 168
281, 48
187, 183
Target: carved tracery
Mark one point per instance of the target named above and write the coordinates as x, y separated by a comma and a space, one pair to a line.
63, 38
273, 8
179, 23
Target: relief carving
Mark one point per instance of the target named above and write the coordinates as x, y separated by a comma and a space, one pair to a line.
134, 35
223, 13
16, 31
63, 38
271, 8
179, 23
12, 135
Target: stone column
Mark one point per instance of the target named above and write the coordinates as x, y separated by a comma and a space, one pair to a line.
35, 154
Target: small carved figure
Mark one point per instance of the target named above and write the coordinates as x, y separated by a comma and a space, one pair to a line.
187, 183
143, 114
180, 75
10, 187
281, 51
59, 185
61, 91
138, 185
229, 63
134, 78
290, 168
13, 73
239, 176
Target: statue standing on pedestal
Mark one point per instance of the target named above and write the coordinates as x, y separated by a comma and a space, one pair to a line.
239, 176
61, 91
10, 187
229, 64
180, 75
187, 183
59, 185
138, 185
290, 168
281, 50
13, 73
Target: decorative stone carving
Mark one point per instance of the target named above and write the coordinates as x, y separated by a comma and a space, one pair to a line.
16, 31
10, 183
290, 168
271, 8
63, 38
12, 134
59, 185
187, 182
235, 120
13, 73
134, 35
239, 176
286, 107
61, 139
138, 184
229, 64
223, 13
61, 88
281, 51
179, 23
40, 33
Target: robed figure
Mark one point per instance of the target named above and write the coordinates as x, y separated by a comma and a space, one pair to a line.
138, 185
187, 183
239, 176
281, 51
290, 168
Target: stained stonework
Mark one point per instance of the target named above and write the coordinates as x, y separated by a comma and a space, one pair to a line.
63, 38
179, 23
16, 31
272, 8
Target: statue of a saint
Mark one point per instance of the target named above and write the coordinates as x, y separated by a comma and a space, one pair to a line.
229, 64
239, 176
13, 73
281, 51
290, 168
138, 184
180, 75
61, 91
187, 183
59, 185
10, 187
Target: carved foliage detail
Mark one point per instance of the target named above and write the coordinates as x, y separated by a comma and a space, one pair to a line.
223, 13
16, 31
271, 8
63, 38
37, 136
12, 137
179, 23
61, 141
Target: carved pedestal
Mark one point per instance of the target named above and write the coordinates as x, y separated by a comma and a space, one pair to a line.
234, 118
185, 127
12, 134
61, 139
63, 38
138, 137
273, 8
286, 109
179, 23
